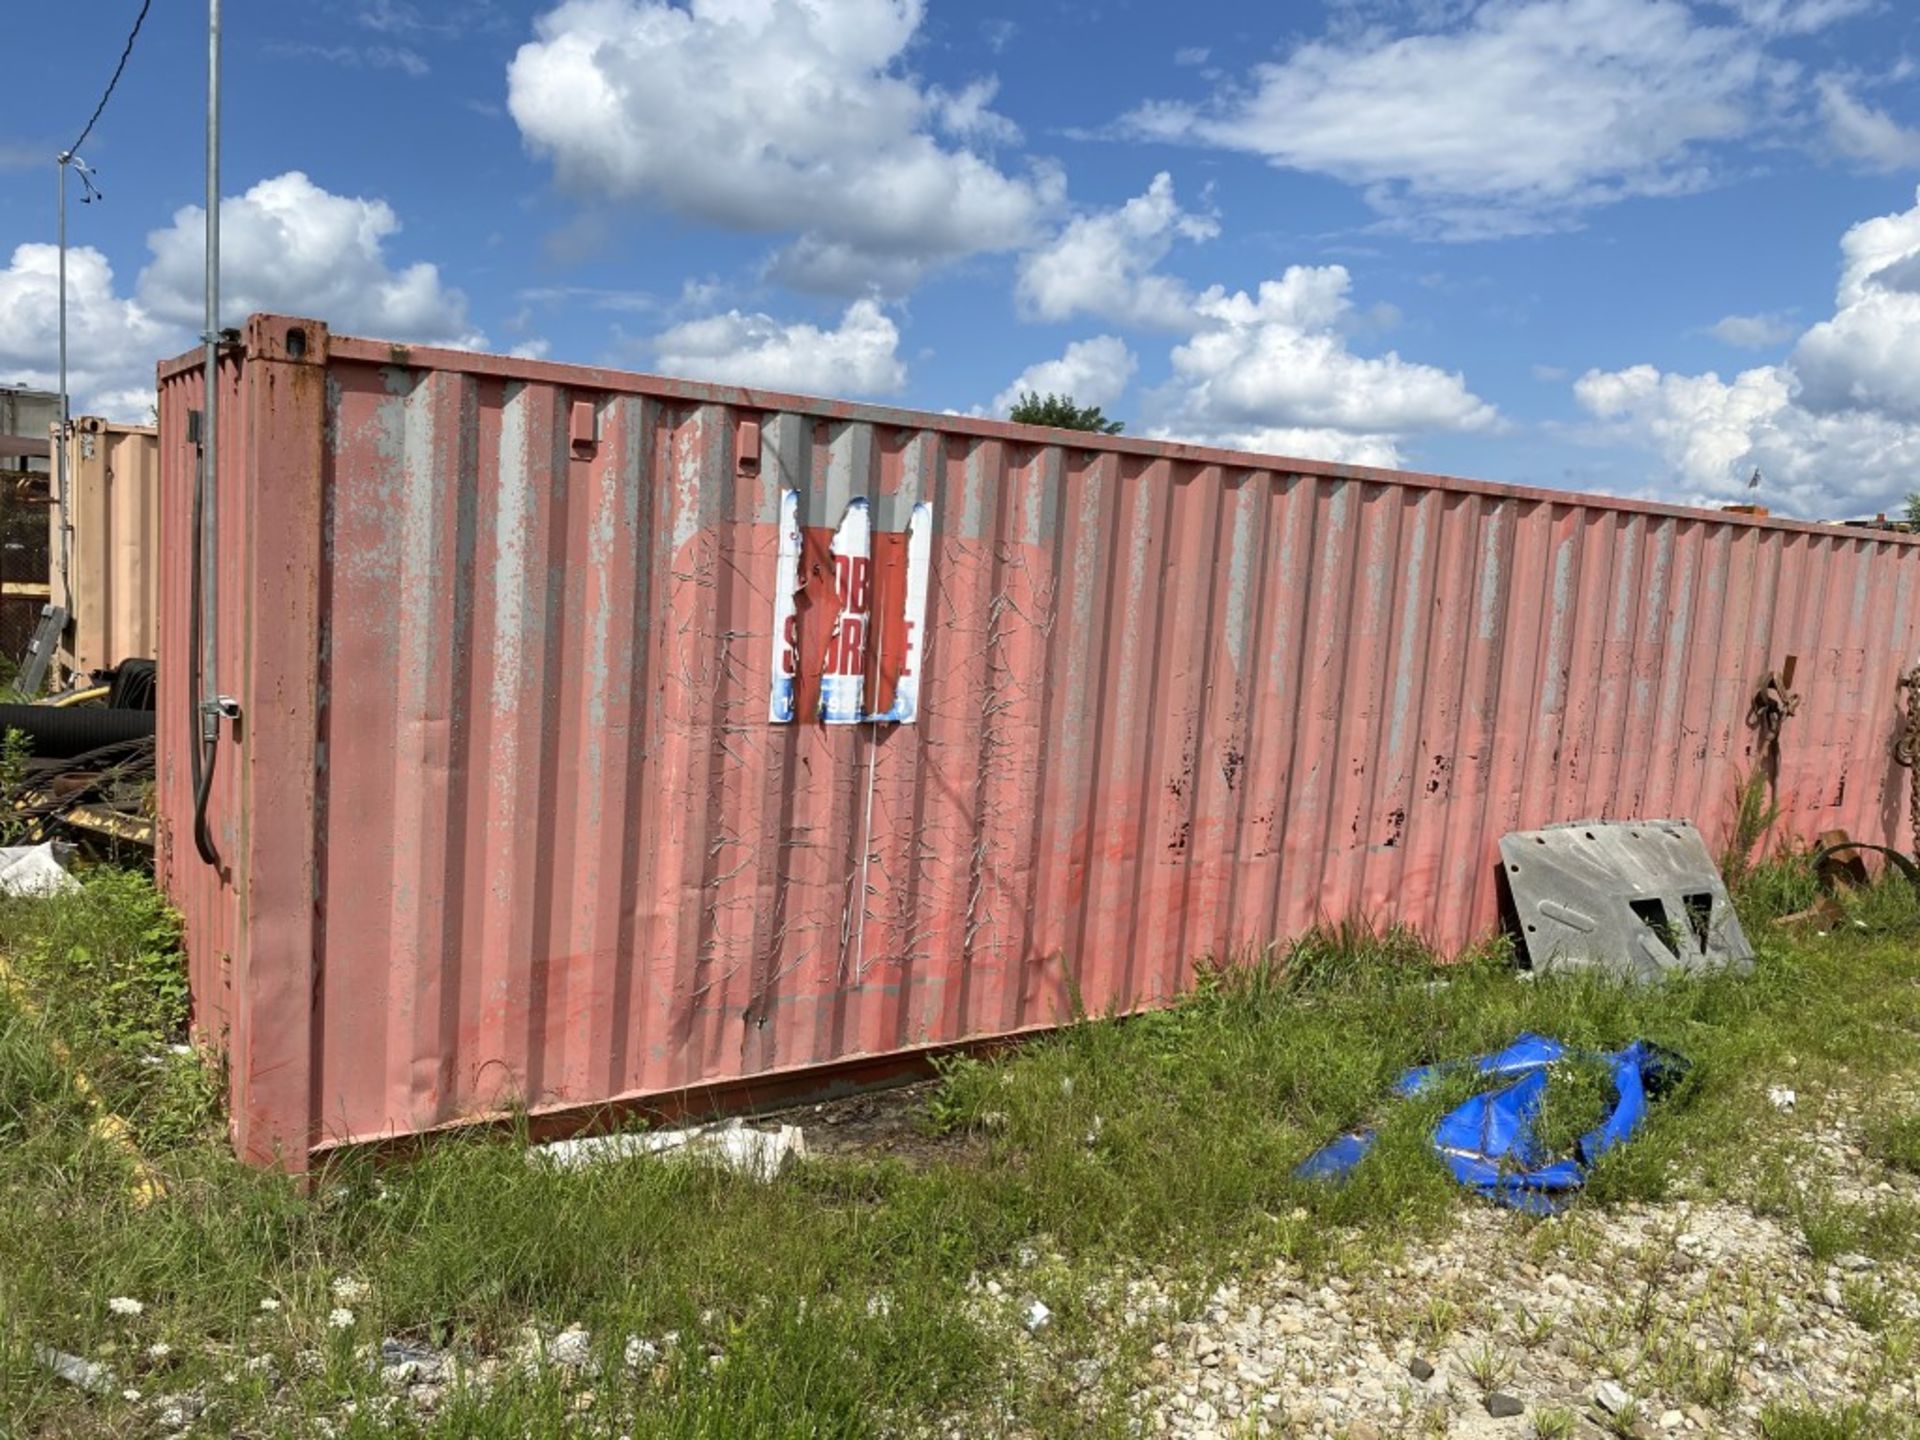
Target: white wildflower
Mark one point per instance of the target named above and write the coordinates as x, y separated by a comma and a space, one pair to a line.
349, 1291
125, 1305
339, 1319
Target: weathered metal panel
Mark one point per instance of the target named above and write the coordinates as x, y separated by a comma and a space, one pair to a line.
27, 415
108, 571
506, 820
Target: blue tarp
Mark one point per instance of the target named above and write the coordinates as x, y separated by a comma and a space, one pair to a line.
1489, 1143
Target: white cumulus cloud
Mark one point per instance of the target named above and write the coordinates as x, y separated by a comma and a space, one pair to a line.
1834, 430
1093, 372
289, 245
778, 117
1103, 264
1505, 117
1867, 356
858, 357
1714, 434
113, 342
286, 245
1272, 371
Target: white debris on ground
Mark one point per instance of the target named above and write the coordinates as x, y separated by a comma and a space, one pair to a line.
571, 1349
89, 1375
758, 1154
34, 870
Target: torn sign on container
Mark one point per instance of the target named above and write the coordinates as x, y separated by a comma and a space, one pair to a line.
849, 610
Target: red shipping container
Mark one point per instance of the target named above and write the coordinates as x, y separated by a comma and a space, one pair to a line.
606, 737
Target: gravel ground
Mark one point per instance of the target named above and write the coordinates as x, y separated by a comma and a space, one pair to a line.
1681, 1318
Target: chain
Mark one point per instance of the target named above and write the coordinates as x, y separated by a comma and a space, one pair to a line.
1771, 708
1906, 749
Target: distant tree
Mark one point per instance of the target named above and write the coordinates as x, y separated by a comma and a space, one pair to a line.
1061, 413
1913, 509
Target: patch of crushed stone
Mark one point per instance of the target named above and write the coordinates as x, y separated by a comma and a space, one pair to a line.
1681, 1318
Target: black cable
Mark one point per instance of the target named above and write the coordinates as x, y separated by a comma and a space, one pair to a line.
202, 835
200, 754
138, 21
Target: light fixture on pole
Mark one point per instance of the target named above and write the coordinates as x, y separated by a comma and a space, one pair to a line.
71, 157
62, 507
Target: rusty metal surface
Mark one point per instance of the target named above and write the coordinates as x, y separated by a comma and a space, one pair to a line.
113, 590
13, 447
508, 821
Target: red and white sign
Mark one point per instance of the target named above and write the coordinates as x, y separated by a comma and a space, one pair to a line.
849, 608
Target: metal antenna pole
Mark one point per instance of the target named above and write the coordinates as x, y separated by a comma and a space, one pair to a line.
60, 446
210, 449
210, 705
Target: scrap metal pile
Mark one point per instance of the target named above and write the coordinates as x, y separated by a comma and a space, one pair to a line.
85, 768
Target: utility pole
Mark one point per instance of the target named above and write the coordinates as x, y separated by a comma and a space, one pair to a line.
210, 441
60, 506
210, 706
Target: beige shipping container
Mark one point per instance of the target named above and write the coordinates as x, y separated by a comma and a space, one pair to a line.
106, 570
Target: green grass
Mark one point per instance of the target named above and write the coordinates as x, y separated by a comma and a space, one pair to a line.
1167, 1140
1579, 1095
104, 964
1852, 1422
1896, 1140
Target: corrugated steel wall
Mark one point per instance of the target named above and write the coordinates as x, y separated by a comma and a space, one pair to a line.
213, 900
508, 821
109, 574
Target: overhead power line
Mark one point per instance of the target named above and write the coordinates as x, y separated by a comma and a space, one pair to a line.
132, 35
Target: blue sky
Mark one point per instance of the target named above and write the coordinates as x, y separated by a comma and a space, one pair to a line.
1642, 246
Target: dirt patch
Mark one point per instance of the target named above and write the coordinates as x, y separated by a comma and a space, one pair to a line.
878, 1124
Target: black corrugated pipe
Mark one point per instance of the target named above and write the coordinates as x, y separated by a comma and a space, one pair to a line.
60, 732
131, 685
